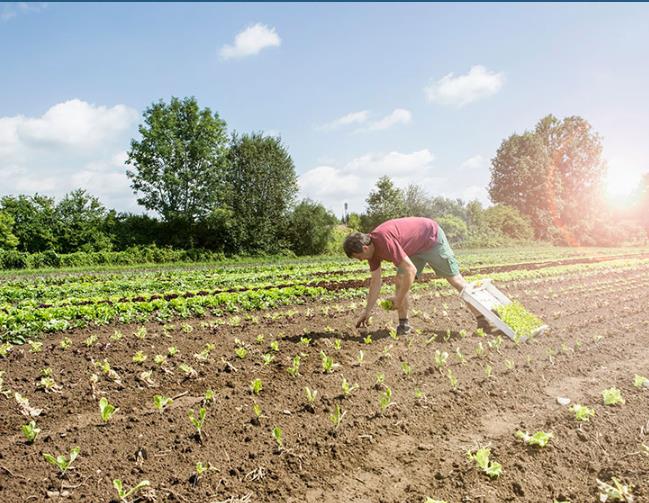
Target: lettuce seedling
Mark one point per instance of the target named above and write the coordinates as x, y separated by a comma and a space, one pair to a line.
267, 358
241, 352
274, 345
368, 339
612, 396
277, 435
380, 378
189, 372
481, 458
124, 494
360, 358
460, 356
198, 422
582, 413
311, 395
406, 368
65, 343
387, 304
30, 431
294, 370
338, 344
337, 416
616, 492
305, 341
327, 363
106, 409
256, 386
172, 351
540, 438
431, 500
256, 409
452, 379
140, 333
91, 340
117, 336
347, 388
139, 357
208, 398
161, 402
26, 409
35, 346
4, 349
441, 357
386, 399
640, 381
204, 355
61, 462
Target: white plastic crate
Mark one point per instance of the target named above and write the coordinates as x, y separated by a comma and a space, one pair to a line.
484, 297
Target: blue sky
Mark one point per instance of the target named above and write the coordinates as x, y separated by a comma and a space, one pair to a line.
424, 93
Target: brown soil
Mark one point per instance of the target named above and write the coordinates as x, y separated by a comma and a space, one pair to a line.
599, 338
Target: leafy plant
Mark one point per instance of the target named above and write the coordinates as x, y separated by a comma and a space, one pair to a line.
305, 341
277, 435
540, 438
139, 357
256, 386
616, 492
347, 388
208, 397
140, 333
481, 458
124, 494
30, 431
4, 349
267, 358
189, 372
360, 358
241, 352
106, 409
612, 396
65, 343
452, 379
161, 402
337, 416
62, 462
117, 336
441, 357
198, 421
256, 409
90, 340
386, 399
640, 381
387, 304
172, 351
274, 345
406, 368
582, 413
294, 369
338, 344
160, 360
204, 354
521, 321
460, 356
328, 364
35, 346
380, 378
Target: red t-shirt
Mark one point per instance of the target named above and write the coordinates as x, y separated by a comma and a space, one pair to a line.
394, 240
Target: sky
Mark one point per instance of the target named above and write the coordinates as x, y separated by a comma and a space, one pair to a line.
423, 93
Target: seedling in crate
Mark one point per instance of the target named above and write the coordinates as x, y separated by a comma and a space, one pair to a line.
616, 492
198, 421
540, 438
256, 386
106, 409
337, 416
123, 494
612, 396
30, 431
347, 388
481, 458
582, 413
277, 435
62, 462
294, 369
161, 402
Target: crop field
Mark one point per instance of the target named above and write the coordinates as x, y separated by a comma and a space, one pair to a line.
247, 382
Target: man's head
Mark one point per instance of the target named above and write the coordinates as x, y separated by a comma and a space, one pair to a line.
359, 246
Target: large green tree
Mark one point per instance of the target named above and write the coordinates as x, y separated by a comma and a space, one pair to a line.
261, 188
34, 221
80, 220
309, 228
552, 174
179, 161
7, 239
385, 202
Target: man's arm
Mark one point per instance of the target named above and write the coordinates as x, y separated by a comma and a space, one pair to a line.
372, 296
407, 273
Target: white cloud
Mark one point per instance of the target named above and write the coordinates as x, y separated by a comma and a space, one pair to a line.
72, 145
345, 120
463, 89
474, 163
10, 10
398, 116
251, 41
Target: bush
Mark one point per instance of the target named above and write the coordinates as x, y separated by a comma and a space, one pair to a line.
454, 227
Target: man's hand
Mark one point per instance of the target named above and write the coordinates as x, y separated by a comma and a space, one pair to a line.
363, 319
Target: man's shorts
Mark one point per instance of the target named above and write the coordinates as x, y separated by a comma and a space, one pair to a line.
440, 257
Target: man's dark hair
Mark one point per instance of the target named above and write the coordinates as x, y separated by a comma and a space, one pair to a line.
354, 243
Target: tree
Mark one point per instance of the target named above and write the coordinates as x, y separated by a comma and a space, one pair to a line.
7, 239
261, 187
508, 221
552, 174
309, 228
179, 162
441, 206
416, 202
80, 223
454, 227
34, 221
384, 203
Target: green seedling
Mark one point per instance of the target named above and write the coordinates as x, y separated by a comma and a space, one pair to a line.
294, 369
612, 396
117, 336
393, 333
35, 346
305, 341
160, 360
208, 397
460, 356
640, 381
616, 492
337, 416
509, 364
387, 304
274, 345
106, 409
480, 332
140, 333
380, 378
480, 350
277, 435
241, 352
328, 364
256, 386
311, 395
267, 358
172, 351
338, 344
65, 343
419, 394
204, 355
161, 402
91, 340
139, 357
198, 421
406, 368
4, 349
522, 322
488, 370
368, 339
30, 431
386, 399
47, 384
260, 339
540, 438
452, 379
431, 500
347, 388
582, 413
189, 372
62, 462
441, 357
481, 458
124, 494
256, 409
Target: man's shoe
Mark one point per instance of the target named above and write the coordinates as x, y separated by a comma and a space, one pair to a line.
403, 329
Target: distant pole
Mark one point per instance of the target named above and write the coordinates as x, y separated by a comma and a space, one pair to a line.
346, 217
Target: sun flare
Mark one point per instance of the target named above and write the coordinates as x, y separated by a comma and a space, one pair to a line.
621, 184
